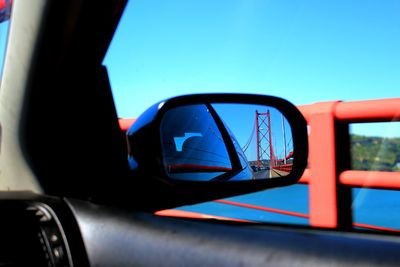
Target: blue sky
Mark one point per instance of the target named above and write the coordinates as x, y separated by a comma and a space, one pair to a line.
304, 51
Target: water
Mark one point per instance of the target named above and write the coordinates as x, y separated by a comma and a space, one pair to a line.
292, 198
370, 206
377, 207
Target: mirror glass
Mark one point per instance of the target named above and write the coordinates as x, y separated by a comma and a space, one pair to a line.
226, 142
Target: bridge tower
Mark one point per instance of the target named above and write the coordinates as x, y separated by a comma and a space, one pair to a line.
265, 149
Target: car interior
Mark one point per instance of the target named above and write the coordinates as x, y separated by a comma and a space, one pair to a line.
68, 197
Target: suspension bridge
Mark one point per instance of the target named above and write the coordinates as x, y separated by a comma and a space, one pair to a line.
266, 163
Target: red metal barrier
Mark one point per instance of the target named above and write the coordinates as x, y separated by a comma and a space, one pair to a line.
322, 161
326, 176
369, 110
284, 168
124, 124
371, 179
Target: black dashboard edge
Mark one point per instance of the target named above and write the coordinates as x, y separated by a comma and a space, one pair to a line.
115, 237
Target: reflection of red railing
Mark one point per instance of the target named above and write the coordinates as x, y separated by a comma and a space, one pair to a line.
196, 168
329, 176
284, 167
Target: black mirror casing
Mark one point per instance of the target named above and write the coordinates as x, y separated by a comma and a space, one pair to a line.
159, 191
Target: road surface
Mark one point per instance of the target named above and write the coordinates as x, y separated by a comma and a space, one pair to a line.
266, 174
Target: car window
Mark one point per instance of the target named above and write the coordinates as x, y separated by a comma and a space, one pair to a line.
305, 52
5, 13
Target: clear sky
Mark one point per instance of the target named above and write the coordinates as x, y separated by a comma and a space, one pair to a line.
305, 51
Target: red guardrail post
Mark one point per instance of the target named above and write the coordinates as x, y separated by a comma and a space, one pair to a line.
329, 202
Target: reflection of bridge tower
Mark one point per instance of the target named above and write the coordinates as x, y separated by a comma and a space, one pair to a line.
265, 149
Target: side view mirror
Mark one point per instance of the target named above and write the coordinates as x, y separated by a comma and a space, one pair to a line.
218, 145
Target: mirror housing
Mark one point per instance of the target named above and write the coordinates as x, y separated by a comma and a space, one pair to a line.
150, 164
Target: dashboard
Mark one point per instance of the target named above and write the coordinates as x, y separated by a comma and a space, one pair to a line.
46, 231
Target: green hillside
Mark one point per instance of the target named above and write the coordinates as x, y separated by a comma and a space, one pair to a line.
375, 153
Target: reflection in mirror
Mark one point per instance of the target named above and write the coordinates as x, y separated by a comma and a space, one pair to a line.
224, 141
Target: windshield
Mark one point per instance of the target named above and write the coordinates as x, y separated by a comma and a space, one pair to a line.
306, 52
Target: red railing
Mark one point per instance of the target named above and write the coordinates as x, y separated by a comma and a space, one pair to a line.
329, 176
284, 167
